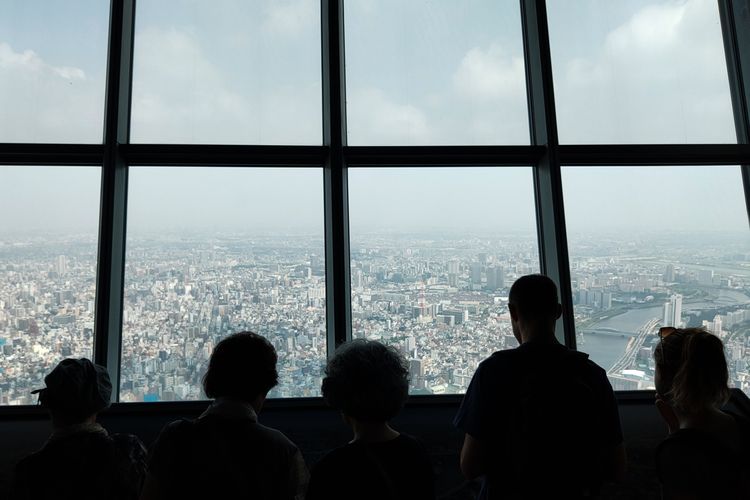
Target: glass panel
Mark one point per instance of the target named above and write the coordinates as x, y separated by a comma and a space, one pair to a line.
53, 64
426, 72
640, 71
227, 71
47, 273
434, 253
642, 257
213, 251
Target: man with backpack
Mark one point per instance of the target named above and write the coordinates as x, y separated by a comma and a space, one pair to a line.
541, 420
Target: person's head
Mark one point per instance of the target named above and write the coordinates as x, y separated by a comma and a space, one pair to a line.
534, 307
242, 366
366, 381
691, 370
76, 390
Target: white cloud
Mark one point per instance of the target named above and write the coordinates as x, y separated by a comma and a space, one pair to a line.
181, 96
42, 102
489, 74
375, 119
291, 18
660, 76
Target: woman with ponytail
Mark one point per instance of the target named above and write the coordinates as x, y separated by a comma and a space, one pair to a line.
707, 453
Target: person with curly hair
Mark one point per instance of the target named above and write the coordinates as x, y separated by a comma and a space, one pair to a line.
226, 453
368, 383
706, 453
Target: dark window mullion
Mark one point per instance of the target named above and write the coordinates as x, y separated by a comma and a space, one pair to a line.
113, 209
737, 51
335, 186
553, 247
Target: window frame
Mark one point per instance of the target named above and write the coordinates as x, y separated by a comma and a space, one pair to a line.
544, 154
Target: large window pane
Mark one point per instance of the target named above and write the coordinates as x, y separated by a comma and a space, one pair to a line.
48, 241
653, 246
434, 252
53, 60
426, 72
227, 71
213, 251
640, 71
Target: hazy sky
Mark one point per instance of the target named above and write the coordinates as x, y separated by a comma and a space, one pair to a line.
418, 72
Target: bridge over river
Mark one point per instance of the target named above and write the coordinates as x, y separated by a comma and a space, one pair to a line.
627, 359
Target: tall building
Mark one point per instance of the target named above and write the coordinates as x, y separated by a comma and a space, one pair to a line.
495, 278
669, 274
61, 266
706, 277
476, 273
673, 311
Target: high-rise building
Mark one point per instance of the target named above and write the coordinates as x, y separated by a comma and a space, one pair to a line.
669, 274
61, 266
476, 273
706, 277
495, 278
673, 311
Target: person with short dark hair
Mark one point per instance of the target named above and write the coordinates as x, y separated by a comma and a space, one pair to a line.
80, 460
226, 453
368, 383
707, 452
540, 420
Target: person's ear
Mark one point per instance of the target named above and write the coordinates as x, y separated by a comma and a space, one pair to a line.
513, 312
668, 415
558, 312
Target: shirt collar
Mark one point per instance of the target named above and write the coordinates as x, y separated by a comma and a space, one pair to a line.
231, 408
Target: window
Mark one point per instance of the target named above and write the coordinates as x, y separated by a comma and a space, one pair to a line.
640, 72
434, 252
53, 59
643, 256
213, 251
227, 72
47, 272
223, 197
424, 72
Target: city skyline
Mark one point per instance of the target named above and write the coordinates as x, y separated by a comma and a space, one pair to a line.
441, 303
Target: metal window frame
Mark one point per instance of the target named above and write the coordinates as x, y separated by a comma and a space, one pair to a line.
334, 157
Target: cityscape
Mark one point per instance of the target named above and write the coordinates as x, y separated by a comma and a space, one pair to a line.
441, 301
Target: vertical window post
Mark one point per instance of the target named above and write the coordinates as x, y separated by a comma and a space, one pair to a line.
735, 28
113, 210
553, 249
338, 287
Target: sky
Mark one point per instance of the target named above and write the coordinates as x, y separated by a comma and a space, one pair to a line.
417, 72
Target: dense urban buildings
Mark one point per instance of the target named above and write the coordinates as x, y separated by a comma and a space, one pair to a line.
441, 301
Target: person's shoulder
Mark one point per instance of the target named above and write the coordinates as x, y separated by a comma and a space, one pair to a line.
499, 360
335, 460
410, 442
276, 437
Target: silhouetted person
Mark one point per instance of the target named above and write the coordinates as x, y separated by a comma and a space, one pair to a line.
226, 453
369, 383
541, 420
707, 453
80, 460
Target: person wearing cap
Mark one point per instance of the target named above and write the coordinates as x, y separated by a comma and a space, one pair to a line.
80, 460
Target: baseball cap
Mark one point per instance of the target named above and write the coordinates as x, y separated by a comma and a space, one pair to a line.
76, 387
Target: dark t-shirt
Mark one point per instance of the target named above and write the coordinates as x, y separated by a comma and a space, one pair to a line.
393, 470
546, 416
693, 462
82, 466
219, 457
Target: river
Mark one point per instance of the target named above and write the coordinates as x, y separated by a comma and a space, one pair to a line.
605, 350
